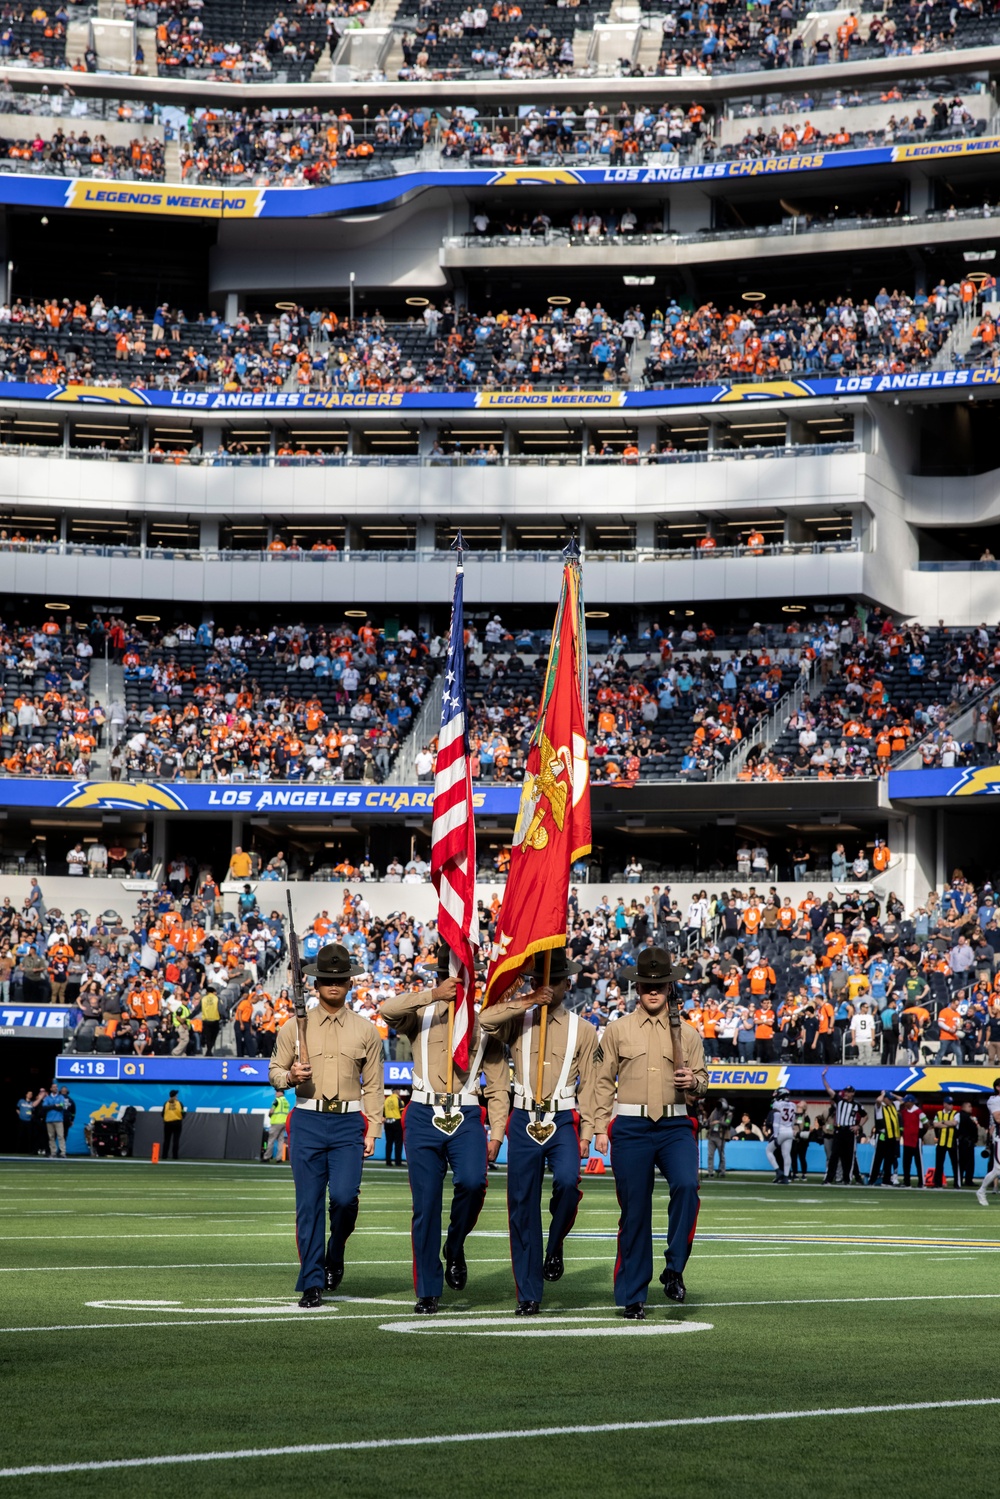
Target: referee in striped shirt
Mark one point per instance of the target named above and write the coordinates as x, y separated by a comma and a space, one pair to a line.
845, 1118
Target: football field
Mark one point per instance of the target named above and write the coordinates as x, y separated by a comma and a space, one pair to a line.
835, 1342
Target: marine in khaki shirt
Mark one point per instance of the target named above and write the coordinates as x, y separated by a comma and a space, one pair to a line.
345, 1056
553, 1130
444, 1128
424, 1015
336, 1120
506, 1021
636, 1052
642, 1112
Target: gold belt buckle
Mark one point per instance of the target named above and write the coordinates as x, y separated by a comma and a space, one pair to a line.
330, 1106
451, 1117
539, 1128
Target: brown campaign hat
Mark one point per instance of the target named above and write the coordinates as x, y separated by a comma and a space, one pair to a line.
654, 966
444, 962
333, 962
560, 966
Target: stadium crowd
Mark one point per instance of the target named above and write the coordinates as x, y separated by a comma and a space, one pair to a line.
80, 155
883, 693
48, 725
62, 341
264, 146
764, 975
317, 703
298, 703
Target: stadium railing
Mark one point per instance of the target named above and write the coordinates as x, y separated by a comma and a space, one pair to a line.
428, 460
348, 554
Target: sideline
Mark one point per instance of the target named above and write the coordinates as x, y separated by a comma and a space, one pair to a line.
396, 1443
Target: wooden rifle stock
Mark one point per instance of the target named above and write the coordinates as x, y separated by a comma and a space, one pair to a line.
298, 995
677, 1044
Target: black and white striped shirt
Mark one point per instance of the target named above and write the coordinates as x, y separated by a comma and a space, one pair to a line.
846, 1113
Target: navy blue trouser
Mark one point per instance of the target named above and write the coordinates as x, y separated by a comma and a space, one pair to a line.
638, 1148
526, 1164
429, 1153
327, 1153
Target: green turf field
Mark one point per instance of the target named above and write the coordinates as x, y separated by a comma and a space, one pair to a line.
149, 1311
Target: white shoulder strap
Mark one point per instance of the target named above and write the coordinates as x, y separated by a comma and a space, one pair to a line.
572, 1029
426, 1021
526, 1024
476, 1063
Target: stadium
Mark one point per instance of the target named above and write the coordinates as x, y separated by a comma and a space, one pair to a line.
519, 471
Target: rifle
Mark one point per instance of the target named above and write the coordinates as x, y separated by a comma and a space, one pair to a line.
298, 997
677, 1043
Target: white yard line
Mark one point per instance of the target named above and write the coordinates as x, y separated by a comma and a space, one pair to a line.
389, 1444
170, 1320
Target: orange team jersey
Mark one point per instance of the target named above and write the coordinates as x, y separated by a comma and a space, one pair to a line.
826, 1017
763, 1024
786, 917
760, 976
751, 918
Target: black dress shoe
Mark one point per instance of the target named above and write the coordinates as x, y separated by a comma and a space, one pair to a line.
635, 1312
673, 1285
528, 1308
456, 1272
334, 1275
426, 1305
312, 1297
554, 1266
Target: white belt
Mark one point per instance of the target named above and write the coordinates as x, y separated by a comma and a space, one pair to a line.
469, 1100
330, 1105
546, 1105
641, 1110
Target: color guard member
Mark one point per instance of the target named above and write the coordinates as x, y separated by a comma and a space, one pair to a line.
336, 1119
443, 1129
553, 1130
649, 1127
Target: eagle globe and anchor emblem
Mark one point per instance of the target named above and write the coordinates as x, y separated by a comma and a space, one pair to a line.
544, 800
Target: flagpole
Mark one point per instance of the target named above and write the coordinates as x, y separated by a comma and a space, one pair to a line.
457, 546
543, 1025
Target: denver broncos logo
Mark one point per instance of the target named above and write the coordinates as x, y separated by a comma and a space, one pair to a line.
99, 395
526, 176
765, 390
976, 782
114, 794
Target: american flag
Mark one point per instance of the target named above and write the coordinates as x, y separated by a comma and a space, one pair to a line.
453, 833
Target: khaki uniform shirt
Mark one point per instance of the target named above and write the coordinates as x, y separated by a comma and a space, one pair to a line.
345, 1052
507, 1024
405, 1013
637, 1052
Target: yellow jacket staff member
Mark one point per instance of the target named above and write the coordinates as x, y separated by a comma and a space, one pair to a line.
336, 1120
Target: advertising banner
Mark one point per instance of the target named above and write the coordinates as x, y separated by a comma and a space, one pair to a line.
180, 200
32, 1021
740, 393
188, 796
974, 780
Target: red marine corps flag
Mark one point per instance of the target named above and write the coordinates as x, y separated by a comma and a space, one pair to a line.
553, 823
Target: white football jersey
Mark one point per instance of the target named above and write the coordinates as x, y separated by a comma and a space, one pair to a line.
783, 1113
